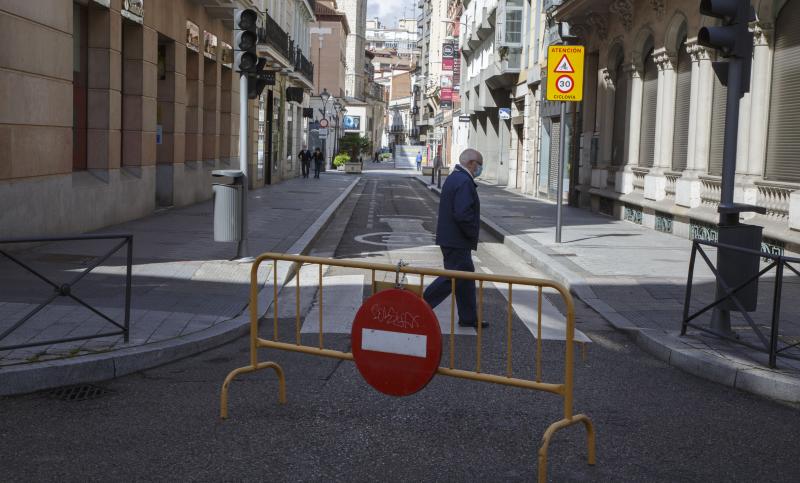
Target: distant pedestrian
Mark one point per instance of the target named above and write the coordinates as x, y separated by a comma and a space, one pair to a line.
419, 160
318, 160
457, 232
305, 161
377, 157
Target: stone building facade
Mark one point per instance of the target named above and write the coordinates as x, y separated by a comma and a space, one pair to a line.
653, 118
115, 108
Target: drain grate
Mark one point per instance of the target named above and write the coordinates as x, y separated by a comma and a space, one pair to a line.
80, 392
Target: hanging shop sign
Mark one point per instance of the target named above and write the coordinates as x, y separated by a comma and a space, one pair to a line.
209, 45
192, 36
133, 10
226, 53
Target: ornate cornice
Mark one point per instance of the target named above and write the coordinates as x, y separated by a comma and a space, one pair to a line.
599, 24
664, 60
623, 8
696, 51
659, 6
762, 32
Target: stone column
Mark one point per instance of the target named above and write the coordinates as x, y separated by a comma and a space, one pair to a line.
689, 187
760, 91
105, 89
140, 55
211, 87
604, 124
624, 178
589, 115
655, 182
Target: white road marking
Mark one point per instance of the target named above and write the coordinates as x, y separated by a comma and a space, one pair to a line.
342, 296
401, 343
525, 301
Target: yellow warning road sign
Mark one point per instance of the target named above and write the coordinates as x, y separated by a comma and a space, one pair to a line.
565, 73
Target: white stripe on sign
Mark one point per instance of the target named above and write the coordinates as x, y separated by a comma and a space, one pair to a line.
413, 345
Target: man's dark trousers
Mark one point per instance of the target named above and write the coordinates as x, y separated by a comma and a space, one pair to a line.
306, 165
455, 259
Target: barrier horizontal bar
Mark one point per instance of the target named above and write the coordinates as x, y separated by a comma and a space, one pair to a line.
435, 272
557, 389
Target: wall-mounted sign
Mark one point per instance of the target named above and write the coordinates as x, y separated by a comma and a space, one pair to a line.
133, 10
448, 50
192, 36
209, 45
294, 94
352, 123
226, 52
463, 118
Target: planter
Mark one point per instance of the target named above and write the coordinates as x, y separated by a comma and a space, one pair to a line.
340, 168
352, 167
427, 170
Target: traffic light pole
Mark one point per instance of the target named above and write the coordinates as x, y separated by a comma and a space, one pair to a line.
243, 248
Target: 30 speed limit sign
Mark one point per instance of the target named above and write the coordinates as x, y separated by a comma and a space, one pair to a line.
565, 73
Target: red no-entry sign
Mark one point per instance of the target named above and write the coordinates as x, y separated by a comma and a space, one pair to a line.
397, 342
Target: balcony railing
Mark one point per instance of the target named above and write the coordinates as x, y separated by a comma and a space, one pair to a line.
273, 35
303, 65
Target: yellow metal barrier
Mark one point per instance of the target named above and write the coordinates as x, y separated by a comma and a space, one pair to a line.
563, 389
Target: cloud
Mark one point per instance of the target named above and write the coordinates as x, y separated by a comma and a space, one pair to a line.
388, 11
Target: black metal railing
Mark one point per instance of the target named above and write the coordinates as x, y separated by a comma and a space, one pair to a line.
273, 35
66, 289
303, 65
769, 343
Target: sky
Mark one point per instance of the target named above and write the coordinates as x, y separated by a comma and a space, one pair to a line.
388, 11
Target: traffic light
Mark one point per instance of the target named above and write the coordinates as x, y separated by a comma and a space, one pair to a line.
731, 39
245, 37
258, 80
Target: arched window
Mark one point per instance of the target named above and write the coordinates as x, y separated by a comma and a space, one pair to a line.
683, 92
783, 142
647, 139
620, 111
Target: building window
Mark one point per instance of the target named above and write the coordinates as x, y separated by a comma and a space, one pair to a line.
80, 52
680, 141
513, 34
647, 139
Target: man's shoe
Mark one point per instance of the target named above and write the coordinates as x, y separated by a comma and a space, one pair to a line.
473, 324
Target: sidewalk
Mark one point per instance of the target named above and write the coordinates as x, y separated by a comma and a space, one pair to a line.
187, 294
636, 279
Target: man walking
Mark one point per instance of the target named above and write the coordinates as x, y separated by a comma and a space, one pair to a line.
419, 160
318, 160
305, 161
457, 234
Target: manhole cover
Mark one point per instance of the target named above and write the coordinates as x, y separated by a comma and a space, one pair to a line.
80, 392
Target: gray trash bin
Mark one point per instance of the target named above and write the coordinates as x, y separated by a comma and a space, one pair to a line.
228, 206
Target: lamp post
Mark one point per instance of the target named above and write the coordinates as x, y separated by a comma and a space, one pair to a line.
337, 107
325, 96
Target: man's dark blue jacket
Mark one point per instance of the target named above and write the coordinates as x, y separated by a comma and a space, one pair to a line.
459, 212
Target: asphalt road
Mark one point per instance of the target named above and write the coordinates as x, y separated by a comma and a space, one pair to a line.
653, 422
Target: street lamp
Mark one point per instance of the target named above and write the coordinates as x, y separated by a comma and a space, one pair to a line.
325, 96
337, 108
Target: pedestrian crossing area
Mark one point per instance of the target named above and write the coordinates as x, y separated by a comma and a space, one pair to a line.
342, 296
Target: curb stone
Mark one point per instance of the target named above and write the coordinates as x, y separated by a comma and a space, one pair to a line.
29, 378
666, 347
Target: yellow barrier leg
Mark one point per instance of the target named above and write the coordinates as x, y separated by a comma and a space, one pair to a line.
223, 400
548, 434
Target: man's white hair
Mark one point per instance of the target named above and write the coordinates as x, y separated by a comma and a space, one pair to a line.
468, 155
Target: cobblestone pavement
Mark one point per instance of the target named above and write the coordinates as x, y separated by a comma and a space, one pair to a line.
183, 281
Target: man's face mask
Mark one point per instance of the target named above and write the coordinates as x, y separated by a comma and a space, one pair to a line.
478, 171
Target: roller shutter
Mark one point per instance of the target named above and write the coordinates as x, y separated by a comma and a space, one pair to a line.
620, 118
555, 155
680, 141
647, 139
783, 141
719, 107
